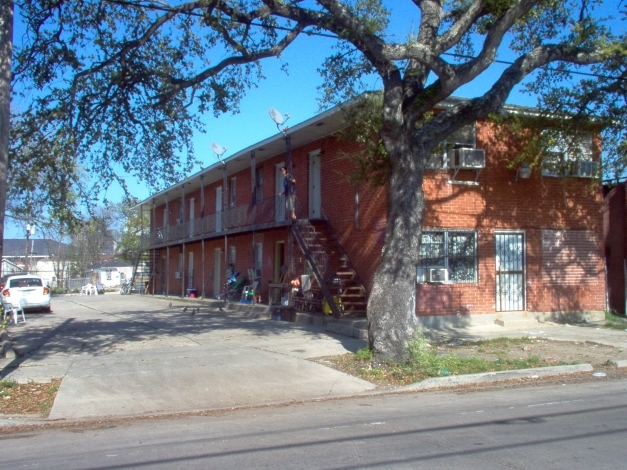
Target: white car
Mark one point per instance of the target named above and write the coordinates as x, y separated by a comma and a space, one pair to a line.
29, 287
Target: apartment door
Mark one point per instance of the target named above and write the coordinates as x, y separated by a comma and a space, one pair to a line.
217, 255
510, 271
315, 196
219, 209
279, 260
279, 209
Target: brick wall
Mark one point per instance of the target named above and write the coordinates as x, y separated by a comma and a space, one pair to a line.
554, 282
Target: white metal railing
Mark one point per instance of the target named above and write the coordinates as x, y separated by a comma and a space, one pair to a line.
235, 217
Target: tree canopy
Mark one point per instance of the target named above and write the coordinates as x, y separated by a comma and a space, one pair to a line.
123, 83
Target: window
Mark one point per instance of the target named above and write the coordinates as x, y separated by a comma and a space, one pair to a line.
568, 156
258, 259
465, 137
448, 256
232, 255
25, 282
258, 185
232, 195
181, 212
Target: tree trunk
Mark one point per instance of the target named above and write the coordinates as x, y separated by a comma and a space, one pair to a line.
6, 52
392, 303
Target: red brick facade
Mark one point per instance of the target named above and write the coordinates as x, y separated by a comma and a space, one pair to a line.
615, 238
559, 218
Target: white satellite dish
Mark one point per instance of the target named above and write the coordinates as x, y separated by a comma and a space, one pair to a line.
218, 149
276, 116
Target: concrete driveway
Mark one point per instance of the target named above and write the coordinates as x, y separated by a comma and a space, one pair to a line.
135, 355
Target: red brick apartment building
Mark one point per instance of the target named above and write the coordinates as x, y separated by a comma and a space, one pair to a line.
614, 224
498, 243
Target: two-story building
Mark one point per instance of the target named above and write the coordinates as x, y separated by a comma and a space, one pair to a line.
498, 243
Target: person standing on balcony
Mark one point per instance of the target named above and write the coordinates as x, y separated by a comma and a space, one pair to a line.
289, 190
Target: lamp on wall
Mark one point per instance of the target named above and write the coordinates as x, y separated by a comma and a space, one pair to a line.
524, 172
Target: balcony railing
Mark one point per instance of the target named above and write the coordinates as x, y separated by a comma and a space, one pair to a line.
264, 212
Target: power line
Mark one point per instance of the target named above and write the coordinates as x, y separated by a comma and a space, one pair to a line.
333, 36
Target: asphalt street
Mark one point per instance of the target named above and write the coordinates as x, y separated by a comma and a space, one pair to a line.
577, 426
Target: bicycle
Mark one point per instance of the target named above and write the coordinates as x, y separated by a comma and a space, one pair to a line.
232, 288
126, 288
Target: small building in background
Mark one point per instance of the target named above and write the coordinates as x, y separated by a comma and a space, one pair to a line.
110, 273
46, 258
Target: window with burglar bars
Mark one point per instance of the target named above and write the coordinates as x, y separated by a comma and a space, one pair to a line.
448, 256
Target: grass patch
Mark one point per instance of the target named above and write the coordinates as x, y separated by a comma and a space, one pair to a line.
616, 322
6, 386
504, 342
46, 405
424, 361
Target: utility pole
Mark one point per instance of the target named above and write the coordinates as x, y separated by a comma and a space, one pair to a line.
30, 230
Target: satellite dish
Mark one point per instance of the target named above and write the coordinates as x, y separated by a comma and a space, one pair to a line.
217, 149
276, 116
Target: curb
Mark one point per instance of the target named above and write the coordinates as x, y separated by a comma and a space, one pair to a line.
486, 377
620, 363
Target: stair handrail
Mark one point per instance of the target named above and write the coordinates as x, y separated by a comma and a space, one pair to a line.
297, 226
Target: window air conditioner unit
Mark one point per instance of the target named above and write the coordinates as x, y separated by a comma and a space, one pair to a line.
178, 275
438, 275
585, 169
466, 158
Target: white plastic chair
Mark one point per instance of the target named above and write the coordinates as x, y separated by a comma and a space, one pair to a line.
89, 289
9, 307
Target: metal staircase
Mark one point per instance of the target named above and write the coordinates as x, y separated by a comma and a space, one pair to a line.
329, 262
144, 270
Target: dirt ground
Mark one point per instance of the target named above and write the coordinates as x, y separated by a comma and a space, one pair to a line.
543, 352
27, 399
549, 352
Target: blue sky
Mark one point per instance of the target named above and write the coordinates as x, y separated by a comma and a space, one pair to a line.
295, 93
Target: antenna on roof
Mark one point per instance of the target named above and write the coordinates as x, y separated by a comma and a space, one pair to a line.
219, 151
278, 119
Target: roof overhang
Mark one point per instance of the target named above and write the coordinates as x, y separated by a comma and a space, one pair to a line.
319, 126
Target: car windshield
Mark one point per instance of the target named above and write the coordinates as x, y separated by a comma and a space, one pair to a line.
26, 282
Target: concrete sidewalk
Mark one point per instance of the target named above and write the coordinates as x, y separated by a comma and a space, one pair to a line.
124, 356
131, 355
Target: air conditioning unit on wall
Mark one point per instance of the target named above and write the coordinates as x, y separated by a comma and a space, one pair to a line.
178, 275
466, 158
438, 275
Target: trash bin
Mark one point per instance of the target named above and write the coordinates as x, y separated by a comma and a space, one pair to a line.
192, 293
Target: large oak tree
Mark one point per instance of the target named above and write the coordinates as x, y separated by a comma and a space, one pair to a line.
122, 82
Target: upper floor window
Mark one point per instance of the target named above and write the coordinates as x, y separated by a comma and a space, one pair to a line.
464, 137
181, 212
448, 256
258, 184
568, 156
232, 193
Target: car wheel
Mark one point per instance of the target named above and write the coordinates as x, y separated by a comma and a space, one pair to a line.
46, 310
